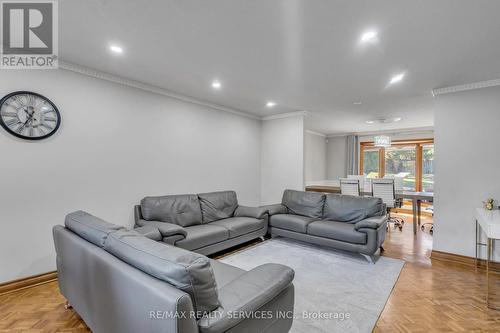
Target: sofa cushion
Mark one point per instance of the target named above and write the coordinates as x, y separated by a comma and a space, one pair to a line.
90, 227
217, 205
183, 210
238, 226
291, 222
202, 235
188, 271
304, 203
351, 209
341, 231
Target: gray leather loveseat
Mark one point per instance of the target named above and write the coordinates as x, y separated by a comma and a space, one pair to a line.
204, 223
355, 224
118, 280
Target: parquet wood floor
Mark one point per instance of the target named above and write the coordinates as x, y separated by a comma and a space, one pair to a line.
433, 296
428, 297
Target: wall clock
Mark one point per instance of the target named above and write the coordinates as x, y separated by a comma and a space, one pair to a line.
28, 115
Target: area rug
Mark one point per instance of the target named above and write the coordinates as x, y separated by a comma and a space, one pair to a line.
335, 291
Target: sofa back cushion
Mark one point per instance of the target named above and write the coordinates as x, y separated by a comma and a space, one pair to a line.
351, 209
90, 227
183, 210
188, 271
217, 205
304, 203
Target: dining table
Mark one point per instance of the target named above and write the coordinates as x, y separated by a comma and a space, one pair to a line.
416, 199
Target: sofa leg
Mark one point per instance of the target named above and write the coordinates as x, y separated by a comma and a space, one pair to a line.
67, 306
370, 259
262, 238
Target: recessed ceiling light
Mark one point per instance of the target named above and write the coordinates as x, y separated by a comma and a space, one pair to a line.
357, 103
271, 104
216, 84
383, 120
116, 49
397, 78
370, 36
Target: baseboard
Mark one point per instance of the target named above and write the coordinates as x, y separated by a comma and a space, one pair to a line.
27, 282
462, 260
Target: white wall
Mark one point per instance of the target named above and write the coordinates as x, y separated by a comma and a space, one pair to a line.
467, 134
315, 157
115, 146
336, 154
282, 157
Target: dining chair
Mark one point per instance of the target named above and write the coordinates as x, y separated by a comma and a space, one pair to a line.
385, 189
349, 186
398, 182
431, 224
363, 182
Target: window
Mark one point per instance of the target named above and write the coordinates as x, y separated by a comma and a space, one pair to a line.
371, 165
400, 162
428, 168
413, 160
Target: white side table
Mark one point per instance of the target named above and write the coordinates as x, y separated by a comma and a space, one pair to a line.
489, 222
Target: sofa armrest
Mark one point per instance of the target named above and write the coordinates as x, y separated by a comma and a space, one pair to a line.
150, 232
137, 213
384, 209
247, 293
166, 229
276, 209
255, 212
373, 222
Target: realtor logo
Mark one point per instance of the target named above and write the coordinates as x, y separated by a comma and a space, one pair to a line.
29, 34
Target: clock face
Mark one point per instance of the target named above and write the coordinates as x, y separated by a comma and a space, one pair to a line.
29, 116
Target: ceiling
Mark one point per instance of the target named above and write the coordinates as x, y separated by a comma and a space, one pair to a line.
303, 54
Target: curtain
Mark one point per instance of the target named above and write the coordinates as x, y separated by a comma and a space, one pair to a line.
352, 160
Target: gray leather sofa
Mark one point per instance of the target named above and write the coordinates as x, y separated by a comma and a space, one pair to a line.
204, 223
119, 280
355, 224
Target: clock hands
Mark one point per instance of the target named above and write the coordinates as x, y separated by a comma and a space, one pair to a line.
28, 122
26, 110
21, 128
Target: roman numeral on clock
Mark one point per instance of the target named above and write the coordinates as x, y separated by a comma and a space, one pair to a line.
12, 122
9, 114
47, 126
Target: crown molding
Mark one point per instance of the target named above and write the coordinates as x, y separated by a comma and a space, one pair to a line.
405, 131
465, 87
315, 133
338, 135
285, 115
147, 87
